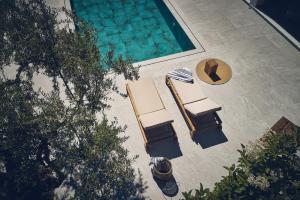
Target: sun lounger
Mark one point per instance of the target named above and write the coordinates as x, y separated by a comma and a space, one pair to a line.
193, 103
149, 110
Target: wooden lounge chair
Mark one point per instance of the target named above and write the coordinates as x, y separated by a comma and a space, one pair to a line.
194, 103
149, 110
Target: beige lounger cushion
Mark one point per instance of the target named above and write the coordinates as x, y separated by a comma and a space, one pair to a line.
154, 119
145, 96
188, 92
202, 107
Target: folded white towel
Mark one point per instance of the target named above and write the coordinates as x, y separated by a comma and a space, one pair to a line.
180, 78
183, 74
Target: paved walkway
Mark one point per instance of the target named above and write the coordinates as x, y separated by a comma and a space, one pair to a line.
264, 87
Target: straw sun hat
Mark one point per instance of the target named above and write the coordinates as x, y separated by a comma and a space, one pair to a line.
213, 71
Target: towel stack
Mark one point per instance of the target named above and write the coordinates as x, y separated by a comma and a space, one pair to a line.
183, 74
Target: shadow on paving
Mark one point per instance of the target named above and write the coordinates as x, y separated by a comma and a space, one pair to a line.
209, 137
208, 131
169, 188
168, 148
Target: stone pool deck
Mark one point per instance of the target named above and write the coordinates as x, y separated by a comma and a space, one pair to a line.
265, 86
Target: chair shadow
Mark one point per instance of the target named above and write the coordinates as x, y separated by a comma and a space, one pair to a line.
168, 148
209, 137
168, 188
165, 147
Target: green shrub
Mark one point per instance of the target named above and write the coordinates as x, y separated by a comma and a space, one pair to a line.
266, 169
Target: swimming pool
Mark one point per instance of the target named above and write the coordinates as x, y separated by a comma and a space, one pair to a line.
136, 29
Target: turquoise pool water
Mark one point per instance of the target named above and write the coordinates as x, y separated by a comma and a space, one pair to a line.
136, 29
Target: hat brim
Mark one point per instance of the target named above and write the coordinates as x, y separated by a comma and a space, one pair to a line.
222, 76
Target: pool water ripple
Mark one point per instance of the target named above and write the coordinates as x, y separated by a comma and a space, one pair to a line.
136, 29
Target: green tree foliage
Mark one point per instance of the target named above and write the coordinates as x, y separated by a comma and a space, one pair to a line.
267, 169
48, 141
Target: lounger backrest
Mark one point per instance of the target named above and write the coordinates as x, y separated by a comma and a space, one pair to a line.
145, 96
188, 92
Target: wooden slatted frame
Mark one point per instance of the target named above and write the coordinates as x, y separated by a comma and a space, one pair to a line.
184, 112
